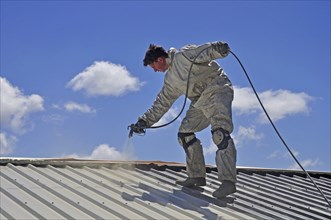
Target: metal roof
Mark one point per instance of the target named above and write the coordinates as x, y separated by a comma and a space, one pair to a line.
78, 189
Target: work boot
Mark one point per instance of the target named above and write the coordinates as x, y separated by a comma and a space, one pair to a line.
192, 181
225, 189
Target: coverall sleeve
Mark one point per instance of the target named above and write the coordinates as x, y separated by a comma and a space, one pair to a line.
164, 100
210, 51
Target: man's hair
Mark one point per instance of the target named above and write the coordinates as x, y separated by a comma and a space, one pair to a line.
153, 53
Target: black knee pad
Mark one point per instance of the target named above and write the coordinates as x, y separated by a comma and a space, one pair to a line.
186, 139
221, 138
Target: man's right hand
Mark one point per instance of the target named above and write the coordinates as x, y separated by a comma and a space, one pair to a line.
138, 128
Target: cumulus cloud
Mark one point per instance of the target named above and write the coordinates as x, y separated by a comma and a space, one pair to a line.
7, 143
245, 134
277, 154
288, 155
73, 106
105, 78
308, 163
274, 154
211, 149
16, 107
279, 104
245, 101
54, 118
105, 152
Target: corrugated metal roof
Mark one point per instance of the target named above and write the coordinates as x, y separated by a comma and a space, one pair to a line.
74, 189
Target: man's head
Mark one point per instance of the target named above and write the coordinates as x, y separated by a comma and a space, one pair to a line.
155, 57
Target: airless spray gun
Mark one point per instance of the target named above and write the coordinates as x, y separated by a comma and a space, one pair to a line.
134, 128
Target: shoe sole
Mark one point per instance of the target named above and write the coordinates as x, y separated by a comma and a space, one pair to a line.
223, 196
193, 185
200, 184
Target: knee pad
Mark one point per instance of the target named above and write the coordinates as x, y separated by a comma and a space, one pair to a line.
186, 139
221, 138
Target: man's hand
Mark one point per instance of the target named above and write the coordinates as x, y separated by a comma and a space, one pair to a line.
138, 128
224, 49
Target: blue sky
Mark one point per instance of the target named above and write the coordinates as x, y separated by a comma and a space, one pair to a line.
72, 77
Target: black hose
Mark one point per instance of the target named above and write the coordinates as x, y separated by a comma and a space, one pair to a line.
276, 130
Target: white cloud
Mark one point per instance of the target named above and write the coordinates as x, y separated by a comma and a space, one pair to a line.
54, 118
105, 78
275, 154
105, 152
211, 150
245, 101
6, 143
279, 104
288, 155
282, 103
72, 106
281, 155
56, 106
245, 134
308, 163
16, 107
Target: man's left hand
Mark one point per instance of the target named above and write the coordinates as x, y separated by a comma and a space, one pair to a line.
224, 49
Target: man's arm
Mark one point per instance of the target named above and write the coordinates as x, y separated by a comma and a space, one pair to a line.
164, 100
206, 52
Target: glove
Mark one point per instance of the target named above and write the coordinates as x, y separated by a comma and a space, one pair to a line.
223, 49
139, 127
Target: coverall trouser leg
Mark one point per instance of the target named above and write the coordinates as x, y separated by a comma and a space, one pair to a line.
217, 113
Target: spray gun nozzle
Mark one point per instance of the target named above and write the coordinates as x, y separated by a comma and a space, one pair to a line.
135, 129
130, 127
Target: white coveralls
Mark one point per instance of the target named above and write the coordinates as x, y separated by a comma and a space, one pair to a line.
211, 96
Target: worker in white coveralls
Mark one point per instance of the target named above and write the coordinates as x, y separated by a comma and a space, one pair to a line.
211, 95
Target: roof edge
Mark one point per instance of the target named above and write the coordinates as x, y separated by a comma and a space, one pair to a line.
142, 164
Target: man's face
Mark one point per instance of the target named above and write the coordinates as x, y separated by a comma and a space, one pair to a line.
160, 65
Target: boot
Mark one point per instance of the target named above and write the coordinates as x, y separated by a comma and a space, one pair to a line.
225, 189
192, 181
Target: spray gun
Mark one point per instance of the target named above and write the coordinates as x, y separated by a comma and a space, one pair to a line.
134, 128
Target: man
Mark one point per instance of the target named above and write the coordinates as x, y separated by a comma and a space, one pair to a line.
211, 95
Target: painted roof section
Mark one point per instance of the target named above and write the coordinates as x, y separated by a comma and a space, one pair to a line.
81, 189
